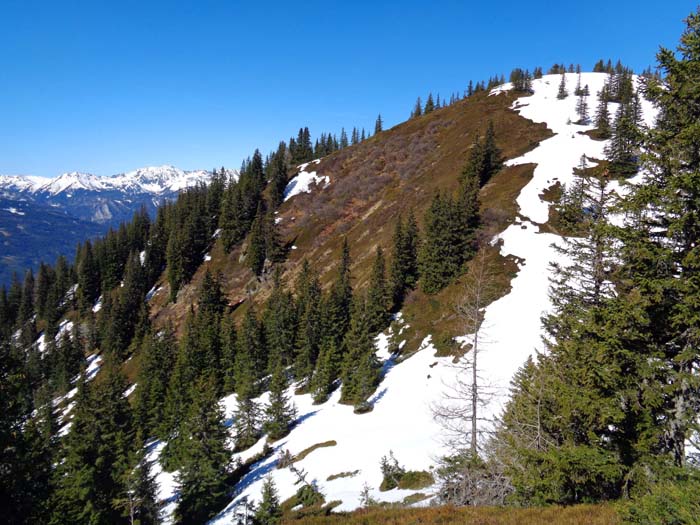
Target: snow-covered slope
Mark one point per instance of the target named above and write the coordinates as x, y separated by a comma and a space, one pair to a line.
402, 420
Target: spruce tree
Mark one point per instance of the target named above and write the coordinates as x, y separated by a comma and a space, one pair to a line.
246, 421
417, 109
582, 109
338, 306
269, 511
562, 93
602, 117
361, 369
205, 467
279, 321
378, 125
378, 298
660, 252
280, 413
139, 502
429, 104
251, 359
256, 243
326, 372
444, 247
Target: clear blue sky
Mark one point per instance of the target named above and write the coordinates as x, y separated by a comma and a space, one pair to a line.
107, 86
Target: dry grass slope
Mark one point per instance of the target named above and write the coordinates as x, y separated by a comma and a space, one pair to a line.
392, 173
576, 515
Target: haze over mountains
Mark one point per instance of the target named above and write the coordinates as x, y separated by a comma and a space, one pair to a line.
42, 218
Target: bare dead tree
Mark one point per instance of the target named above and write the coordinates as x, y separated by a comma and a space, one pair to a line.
459, 413
469, 475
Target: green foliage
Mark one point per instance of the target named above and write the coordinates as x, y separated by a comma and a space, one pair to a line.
269, 511
521, 80
403, 272
310, 325
90, 479
326, 372
204, 470
667, 502
416, 479
361, 370
392, 472
280, 413
562, 93
378, 299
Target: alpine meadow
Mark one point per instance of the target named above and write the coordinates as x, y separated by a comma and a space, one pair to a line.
486, 313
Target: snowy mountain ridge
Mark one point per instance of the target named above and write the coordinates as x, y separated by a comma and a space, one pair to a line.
42, 218
154, 180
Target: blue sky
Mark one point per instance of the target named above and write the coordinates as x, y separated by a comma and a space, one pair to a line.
109, 86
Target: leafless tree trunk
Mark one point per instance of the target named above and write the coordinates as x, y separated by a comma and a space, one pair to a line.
459, 413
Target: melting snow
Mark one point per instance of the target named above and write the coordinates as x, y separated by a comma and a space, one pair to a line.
303, 182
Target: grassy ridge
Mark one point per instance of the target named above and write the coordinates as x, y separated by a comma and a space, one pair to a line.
576, 515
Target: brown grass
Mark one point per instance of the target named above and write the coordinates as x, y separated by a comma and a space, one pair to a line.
392, 173
301, 455
576, 515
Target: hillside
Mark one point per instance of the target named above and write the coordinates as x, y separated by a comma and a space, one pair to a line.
370, 185
361, 191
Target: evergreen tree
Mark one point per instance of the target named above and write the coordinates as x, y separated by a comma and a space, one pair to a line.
269, 511
622, 150
361, 370
602, 116
582, 109
88, 279
278, 174
90, 479
326, 372
251, 359
378, 125
203, 475
279, 325
417, 109
228, 354
562, 93
157, 360
339, 303
439, 259
429, 104
246, 422
280, 413
661, 252
139, 502
378, 299
26, 306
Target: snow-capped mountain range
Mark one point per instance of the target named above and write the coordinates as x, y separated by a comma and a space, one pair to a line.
41, 218
155, 180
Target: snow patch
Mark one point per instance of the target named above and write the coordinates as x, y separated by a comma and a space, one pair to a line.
304, 181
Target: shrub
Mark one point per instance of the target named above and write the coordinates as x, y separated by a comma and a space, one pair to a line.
666, 503
416, 479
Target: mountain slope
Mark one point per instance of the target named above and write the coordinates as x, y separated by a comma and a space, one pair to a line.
359, 193
402, 419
